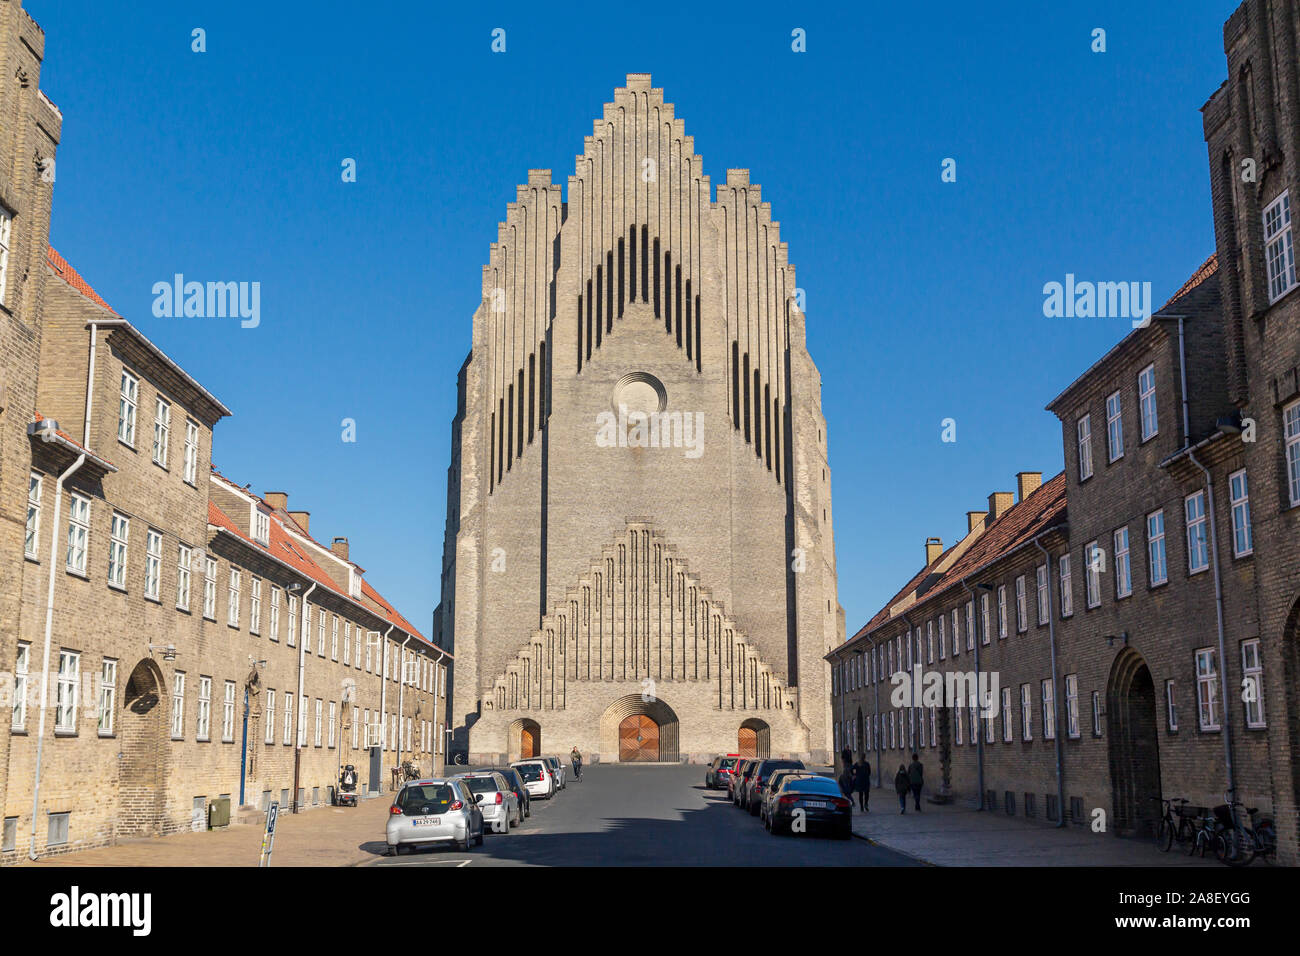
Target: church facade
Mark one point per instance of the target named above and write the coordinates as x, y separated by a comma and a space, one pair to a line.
639, 558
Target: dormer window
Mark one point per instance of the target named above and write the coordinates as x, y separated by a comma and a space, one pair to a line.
261, 527
354, 583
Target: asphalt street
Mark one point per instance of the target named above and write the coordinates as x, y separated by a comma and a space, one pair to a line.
638, 815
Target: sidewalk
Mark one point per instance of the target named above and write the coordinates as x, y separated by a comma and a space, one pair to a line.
955, 834
324, 836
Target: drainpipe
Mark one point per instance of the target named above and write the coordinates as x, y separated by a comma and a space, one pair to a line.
383, 698
1218, 580
1051, 640
875, 671
302, 650
401, 693
978, 731
49, 629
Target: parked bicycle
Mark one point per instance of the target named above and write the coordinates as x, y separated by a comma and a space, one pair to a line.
1205, 829
1237, 844
1175, 823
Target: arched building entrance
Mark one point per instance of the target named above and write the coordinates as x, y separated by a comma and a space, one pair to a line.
1132, 735
140, 770
754, 739
525, 739
639, 730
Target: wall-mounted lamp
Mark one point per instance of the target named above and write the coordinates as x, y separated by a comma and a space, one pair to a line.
169, 650
1111, 639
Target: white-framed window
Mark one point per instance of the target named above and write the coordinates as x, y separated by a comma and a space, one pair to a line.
1114, 428
178, 705
1157, 568
1084, 428
970, 625
1198, 551
317, 738
356, 650
442, 682
356, 727
210, 588
957, 722
121, 533
66, 694
1008, 731
1044, 605
270, 716
203, 725
1067, 588
1207, 688
1147, 401
274, 621
6, 229
288, 718
1243, 542
1096, 713
1093, 558
1291, 434
334, 637
331, 722
255, 605
1002, 611
191, 451
1171, 706
32, 538
228, 712
1123, 565
1049, 710
232, 598
261, 527
320, 631
78, 532
184, 557
22, 669
1279, 256
292, 632
128, 398
302, 720
943, 640
1072, 705
1022, 609
347, 643
1252, 683
162, 426
153, 564
107, 696
1026, 713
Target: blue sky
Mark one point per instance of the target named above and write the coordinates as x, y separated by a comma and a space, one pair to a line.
924, 299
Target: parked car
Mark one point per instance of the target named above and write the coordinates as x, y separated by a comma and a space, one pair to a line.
720, 768
822, 804
496, 799
758, 780
736, 785
517, 785
431, 811
557, 768
775, 781
538, 777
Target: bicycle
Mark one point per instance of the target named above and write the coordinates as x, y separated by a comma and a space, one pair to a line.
1206, 833
1169, 828
1238, 844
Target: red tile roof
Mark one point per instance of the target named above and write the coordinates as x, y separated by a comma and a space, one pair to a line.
1208, 268
73, 278
68, 438
1043, 509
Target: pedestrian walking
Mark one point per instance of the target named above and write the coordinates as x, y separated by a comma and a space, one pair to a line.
846, 781
862, 783
916, 779
901, 787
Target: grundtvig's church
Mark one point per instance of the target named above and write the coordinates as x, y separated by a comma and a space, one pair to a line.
638, 558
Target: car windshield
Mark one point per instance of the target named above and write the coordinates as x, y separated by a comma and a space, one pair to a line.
530, 771
427, 798
482, 784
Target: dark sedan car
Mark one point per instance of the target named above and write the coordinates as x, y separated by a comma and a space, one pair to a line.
517, 785
753, 792
810, 804
736, 782
715, 777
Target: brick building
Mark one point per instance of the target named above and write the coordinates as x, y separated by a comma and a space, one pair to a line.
169, 640
1174, 665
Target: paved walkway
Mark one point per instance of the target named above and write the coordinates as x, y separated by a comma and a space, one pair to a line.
324, 836
958, 835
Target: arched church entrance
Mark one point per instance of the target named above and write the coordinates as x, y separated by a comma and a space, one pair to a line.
754, 739
640, 731
1133, 743
140, 770
525, 739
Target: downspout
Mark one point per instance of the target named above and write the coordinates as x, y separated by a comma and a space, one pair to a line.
303, 638
1218, 580
49, 629
875, 672
977, 730
383, 697
1051, 640
401, 693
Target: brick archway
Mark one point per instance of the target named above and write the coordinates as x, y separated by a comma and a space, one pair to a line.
656, 711
142, 731
1132, 733
524, 739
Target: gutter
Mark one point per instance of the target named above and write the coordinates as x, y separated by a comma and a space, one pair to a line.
401, 694
383, 693
1056, 689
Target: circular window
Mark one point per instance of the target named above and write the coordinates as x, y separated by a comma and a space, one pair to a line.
640, 392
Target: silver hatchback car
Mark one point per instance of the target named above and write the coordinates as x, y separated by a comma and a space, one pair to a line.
426, 812
496, 799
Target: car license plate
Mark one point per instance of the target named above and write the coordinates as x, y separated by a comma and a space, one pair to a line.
816, 803
426, 821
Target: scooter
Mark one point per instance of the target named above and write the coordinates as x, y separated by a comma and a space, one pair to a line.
346, 796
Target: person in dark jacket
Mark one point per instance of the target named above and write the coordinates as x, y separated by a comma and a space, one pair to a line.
846, 782
916, 779
862, 782
901, 787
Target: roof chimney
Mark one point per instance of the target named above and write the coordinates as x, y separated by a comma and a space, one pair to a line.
975, 521
278, 500
303, 518
933, 548
1000, 503
1027, 482
340, 547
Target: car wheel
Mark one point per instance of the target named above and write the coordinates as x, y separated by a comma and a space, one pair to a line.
845, 834
463, 845
478, 840
391, 851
